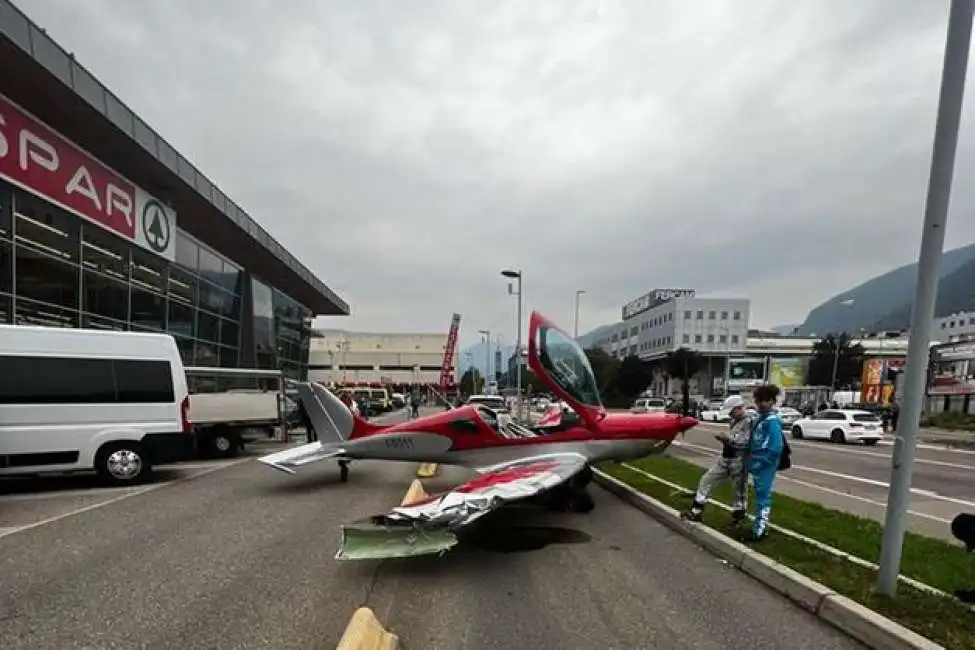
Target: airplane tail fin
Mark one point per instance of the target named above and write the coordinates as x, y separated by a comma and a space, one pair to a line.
332, 420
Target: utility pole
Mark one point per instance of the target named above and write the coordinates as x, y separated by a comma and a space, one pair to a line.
516, 274
953, 76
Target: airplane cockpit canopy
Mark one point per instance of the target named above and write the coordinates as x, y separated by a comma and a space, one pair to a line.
566, 364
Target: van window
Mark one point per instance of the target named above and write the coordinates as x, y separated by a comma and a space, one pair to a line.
56, 380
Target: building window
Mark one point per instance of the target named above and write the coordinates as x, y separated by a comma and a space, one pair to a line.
711, 315
686, 338
104, 253
46, 279
724, 315
697, 338
700, 314
6, 267
710, 338
737, 315
105, 296
148, 311
46, 229
723, 338
734, 338
687, 314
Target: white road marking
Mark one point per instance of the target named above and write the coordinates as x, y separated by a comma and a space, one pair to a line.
882, 443
855, 479
4, 532
95, 491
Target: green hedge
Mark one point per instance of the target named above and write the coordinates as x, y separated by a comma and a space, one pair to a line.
949, 420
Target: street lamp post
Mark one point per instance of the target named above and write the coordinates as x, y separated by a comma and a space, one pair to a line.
487, 354
579, 293
953, 75
508, 273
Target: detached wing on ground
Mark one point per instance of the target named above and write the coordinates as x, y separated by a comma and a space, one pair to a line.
288, 459
427, 526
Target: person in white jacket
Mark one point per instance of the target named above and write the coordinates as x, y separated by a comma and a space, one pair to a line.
730, 465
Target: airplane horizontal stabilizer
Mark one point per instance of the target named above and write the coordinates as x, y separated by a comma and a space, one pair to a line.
288, 459
369, 540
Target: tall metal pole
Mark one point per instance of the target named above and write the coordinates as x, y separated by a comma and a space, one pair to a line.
579, 292
518, 351
836, 364
932, 243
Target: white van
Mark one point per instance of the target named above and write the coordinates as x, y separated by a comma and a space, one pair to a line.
74, 400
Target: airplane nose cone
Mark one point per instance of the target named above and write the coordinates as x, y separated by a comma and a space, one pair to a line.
687, 422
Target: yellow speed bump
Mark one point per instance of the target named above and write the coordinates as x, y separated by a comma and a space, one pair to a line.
365, 632
414, 494
427, 470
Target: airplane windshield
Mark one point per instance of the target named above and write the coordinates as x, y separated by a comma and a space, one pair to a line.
566, 363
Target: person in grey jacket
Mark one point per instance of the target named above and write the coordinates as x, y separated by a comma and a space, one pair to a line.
730, 466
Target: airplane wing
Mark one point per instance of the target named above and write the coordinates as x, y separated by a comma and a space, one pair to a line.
288, 459
427, 526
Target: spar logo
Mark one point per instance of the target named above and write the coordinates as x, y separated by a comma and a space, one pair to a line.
155, 226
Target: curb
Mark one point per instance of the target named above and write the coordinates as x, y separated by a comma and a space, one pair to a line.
427, 470
859, 622
414, 493
365, 632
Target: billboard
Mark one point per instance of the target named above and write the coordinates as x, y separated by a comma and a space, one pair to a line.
38, 160
874, 387
952, 369
746, 373
789, 372
652, 299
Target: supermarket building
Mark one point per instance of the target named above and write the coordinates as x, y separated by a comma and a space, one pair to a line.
104, 225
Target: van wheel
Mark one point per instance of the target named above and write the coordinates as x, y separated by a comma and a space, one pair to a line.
225, 444
123, 463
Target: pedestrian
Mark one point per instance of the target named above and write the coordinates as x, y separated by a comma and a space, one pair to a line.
730, 466
414, 405
767, 449
895, 414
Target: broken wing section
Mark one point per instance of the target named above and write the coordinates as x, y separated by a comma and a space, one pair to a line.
289, 459
427, 526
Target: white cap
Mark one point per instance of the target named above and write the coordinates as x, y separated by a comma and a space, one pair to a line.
733, 401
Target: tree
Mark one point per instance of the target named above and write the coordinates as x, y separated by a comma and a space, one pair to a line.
606, 369
633, 377
682, 363
835, 349
471, 382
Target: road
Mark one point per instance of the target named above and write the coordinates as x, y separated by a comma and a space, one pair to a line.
234, 555
855, 478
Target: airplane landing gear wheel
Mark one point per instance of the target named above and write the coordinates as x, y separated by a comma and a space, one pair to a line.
579, 501
583, 478
344, 471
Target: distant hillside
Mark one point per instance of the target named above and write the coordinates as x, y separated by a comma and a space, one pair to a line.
885, 301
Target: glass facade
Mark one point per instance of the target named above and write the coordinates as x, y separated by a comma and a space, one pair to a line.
58, 270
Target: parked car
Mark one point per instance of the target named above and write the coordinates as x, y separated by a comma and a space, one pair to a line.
840, 426
788, 415
649, 405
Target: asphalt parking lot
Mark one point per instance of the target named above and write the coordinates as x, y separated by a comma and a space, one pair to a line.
231, 554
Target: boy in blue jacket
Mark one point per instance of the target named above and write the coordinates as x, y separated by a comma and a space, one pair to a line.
764, 452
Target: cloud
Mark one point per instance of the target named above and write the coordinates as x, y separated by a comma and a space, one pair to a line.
406, 152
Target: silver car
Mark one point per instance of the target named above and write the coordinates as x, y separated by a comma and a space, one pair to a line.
649, 405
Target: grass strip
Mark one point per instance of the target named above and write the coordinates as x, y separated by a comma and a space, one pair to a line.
928, 560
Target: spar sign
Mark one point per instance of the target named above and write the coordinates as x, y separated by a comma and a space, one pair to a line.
37, 159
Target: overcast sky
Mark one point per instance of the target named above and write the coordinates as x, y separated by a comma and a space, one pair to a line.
408, 151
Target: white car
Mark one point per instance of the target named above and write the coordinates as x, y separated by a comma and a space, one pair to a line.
724, 415
788, 415
649, 405
840, 426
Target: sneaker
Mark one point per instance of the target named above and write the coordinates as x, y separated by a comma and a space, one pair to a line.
750, 536
691, 515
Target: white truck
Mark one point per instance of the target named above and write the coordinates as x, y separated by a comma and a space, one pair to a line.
223, 422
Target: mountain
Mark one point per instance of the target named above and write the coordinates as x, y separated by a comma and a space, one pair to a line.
885, 302
783, 330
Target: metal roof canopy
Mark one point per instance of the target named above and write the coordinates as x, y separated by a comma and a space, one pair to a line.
45, 80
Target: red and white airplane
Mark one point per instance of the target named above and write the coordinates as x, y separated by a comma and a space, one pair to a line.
515, 462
